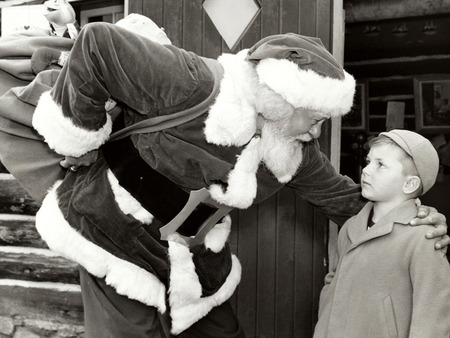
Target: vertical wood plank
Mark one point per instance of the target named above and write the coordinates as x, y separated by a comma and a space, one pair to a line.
285, 263
173, 21
319, 256
324, 20
135, 6
246, 293
154, 10
289, 16
233, 241
303, 269
266, 267
308, 14
193, 26
270, 13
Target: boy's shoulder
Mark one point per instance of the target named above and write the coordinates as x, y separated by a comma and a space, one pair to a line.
413, 234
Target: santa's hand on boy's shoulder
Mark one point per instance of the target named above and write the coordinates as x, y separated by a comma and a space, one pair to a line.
430, 216
73, 163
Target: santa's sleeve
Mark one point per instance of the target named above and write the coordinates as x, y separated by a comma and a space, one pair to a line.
335, 195
109, 62
68, 135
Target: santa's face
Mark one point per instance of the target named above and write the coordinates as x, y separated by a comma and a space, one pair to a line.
305, 124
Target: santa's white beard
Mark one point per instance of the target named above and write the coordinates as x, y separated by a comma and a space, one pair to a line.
281, 154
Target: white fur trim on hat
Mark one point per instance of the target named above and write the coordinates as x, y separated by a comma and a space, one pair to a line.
306, 88
61, 134
126, 202
126, 278
231, 119
187, 305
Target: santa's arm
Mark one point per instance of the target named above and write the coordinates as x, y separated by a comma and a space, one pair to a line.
337, 196
107, 62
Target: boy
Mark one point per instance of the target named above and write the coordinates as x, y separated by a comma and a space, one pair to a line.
389, 282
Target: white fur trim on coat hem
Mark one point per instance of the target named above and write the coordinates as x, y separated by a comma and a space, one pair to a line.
61, 134
306, 88
186, 304
126, 278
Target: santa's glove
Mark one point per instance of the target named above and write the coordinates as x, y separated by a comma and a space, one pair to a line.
43, 57
73, 163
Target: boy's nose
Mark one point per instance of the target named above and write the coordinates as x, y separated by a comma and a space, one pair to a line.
365, 170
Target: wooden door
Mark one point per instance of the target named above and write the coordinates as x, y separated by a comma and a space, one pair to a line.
281, 243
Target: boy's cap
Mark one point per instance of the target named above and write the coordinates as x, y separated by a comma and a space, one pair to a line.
424, 155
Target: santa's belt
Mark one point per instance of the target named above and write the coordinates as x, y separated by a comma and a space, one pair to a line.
181, 211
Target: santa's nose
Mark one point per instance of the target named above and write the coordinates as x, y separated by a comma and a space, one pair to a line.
316, 130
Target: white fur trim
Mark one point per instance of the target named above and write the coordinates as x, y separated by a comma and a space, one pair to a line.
280, 155
126, 278
186, 304
306, 88
126, 202
144, 26
217, 237
62, 134
231, 119
241, 190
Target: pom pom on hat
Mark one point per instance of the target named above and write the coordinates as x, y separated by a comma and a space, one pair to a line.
304, 73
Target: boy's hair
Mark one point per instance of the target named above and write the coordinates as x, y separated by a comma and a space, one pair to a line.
421, 152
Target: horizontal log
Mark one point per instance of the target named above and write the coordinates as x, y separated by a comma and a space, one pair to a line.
373, 10
36, 265
42, 301
19, 230
14, 199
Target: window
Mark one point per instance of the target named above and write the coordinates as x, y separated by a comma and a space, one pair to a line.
110, 14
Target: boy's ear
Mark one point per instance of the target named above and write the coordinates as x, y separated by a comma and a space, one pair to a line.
411, 185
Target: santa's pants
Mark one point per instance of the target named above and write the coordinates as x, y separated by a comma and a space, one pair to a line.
110, 315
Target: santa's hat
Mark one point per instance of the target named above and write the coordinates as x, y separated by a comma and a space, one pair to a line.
304, 73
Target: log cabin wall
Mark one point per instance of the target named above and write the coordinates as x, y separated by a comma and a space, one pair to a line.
389, 47
282, 243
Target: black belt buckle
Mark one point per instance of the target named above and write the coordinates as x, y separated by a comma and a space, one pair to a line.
195, 198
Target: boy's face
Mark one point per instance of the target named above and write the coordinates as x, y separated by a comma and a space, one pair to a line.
382, 179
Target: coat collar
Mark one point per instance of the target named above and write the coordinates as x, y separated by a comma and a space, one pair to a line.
231, 119
402, 214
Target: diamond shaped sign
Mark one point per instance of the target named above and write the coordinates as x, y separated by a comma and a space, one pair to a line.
232, 18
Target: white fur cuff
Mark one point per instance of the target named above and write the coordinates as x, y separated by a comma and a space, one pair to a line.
61, 134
